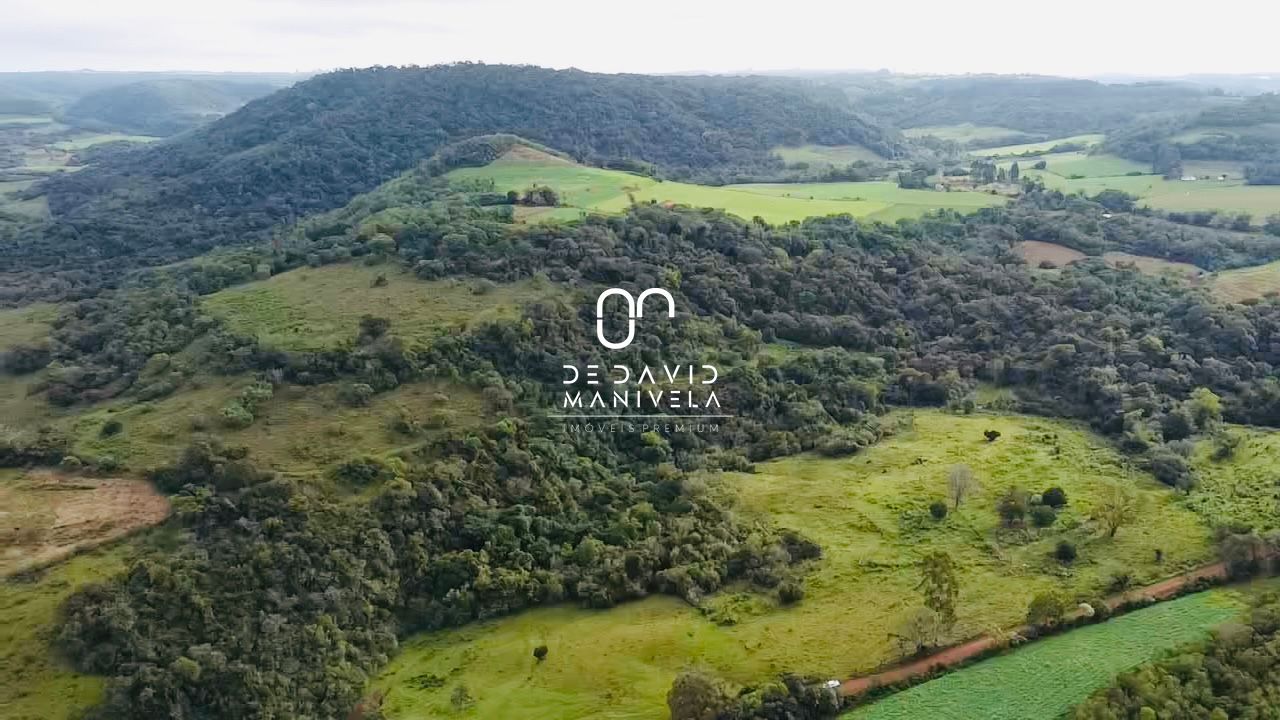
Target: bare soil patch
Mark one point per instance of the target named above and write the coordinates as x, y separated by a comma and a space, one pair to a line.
46, 517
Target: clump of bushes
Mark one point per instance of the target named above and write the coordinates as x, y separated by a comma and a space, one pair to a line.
1065, 552
938, 509
240, 413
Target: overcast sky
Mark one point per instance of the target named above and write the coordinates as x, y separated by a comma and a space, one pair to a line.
1067, 37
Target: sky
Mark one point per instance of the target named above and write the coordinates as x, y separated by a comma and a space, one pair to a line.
1075, 37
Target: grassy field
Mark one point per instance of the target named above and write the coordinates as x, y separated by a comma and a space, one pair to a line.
1046, 678
1241, 489
1245, 283
1153, 265
38, 685
869, 513
1038, 147
1083, 165
82, 141
589, 189
302, 430
319, 308
26, 324
966, 133
827, 154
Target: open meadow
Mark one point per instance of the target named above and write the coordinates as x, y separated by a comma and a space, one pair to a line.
320, 308
837, 155
870, 514
588, 189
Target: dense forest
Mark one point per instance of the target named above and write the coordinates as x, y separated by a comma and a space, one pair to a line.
161, 107
1046, 106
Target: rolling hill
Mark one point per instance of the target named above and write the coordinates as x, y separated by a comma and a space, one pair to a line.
161, 107
313, 146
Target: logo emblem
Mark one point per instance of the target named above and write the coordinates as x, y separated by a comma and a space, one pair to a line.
635, 309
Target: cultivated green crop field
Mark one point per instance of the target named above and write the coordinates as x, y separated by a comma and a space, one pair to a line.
869, 512
827, 154
610, 191
1046, 678
319, 308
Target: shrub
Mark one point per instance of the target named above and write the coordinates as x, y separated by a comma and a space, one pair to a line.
355, 394
991, 435
1054, 497
540, 652
1042, 516
938, 509
1065, 552
236, 416
790, 592
110, 428
1046, 608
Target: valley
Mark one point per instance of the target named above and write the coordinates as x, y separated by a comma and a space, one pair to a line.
281, 358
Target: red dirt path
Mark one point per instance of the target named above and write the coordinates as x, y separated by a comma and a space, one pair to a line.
958, 654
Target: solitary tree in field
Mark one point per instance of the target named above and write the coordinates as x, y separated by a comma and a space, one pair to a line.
1119, 507
940, 588
918, 631
960, 484
1014, 172
696, 695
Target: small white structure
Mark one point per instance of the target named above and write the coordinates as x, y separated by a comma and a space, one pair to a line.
1188, 177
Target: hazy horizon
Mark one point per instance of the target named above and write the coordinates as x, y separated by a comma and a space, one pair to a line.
1095, 39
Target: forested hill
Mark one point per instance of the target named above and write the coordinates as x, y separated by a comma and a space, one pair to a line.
315, 145
1050, 106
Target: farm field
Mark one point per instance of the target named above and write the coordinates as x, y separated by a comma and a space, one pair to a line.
827, 154
50, 516
608, 191
967, 133
38, 684
869, 512
1046, 678
1038, 147
319, 308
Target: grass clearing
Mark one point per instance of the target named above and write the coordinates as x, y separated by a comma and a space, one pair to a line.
320, 308
1036, 252
869, 512
1243, 488
587, 189
1036, 148
1153, 265
24, 325
38, 684
1246, 283
300, 431
81, 142
838, 155
1046, 678
965, 133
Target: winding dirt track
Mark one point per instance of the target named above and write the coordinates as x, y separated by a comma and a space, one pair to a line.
957, 654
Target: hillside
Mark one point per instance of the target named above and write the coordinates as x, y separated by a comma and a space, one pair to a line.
313, 146
160, 107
